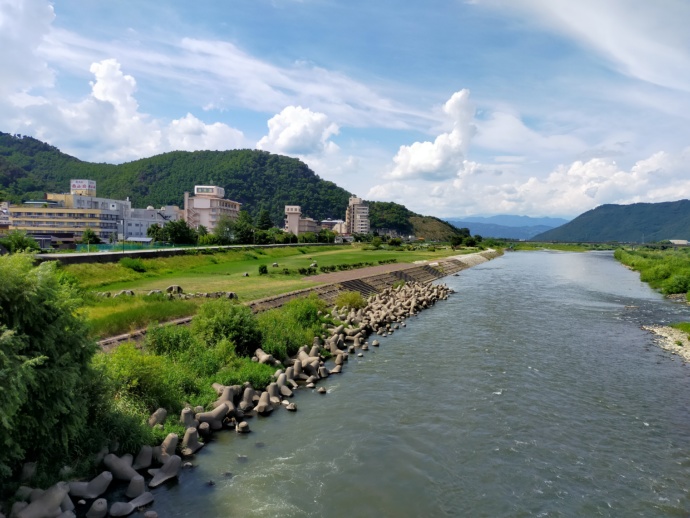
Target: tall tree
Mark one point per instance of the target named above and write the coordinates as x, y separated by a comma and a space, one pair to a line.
224, 229
179, 233
263, 221
244, 228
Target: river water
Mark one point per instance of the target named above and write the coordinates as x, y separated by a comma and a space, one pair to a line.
532, 391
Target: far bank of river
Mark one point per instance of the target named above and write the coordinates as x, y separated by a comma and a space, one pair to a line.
533, 390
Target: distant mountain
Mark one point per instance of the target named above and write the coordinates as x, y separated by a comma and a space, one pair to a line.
639, 222
508, 220
257, 179
507, 226
500, 231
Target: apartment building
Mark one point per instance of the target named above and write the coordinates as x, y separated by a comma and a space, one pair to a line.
207, 206
137, 221
357, 217
295, 223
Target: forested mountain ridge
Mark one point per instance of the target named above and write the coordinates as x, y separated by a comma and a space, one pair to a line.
639, 222
257, 179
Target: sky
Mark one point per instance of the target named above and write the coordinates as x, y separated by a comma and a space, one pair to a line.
450, 107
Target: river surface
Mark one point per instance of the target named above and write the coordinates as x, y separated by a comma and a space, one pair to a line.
532, 391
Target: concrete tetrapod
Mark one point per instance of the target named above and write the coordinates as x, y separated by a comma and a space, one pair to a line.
264, 406
158, 417
127, 508
215, 417
247, 402
47, 504
98, 509
92, 489
187, 418
169, 470
190, 443
167, 448
121, 468
144, 458
137, 486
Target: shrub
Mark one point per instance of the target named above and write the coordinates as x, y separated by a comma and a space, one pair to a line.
286, 271
169, 340
350, 299
287, 329
243, 369
263, 269
221, 318
145, 377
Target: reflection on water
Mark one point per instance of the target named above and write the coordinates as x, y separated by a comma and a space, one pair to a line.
531, 392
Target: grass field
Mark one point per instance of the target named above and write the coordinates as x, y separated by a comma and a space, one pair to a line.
222, 271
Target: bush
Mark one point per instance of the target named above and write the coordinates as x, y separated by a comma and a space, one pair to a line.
221, 318
133, 264
169, 340
350, 299
148, 378
263, 269
45, 355
243, 369
287, 329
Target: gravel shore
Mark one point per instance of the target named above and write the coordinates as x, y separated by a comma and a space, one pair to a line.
671, 339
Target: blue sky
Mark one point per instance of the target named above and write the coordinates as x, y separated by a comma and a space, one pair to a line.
453, 108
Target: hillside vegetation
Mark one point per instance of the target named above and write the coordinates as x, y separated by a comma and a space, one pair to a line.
639, 222
257, 179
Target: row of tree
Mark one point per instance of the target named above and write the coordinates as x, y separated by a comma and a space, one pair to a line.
243, 230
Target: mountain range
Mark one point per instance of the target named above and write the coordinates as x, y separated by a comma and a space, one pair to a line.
507, 226
637, 223
259, 180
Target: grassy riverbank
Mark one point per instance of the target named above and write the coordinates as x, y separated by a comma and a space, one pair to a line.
665, 270
220, 271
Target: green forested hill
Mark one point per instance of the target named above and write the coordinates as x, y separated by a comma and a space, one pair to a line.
257, 179
639, 222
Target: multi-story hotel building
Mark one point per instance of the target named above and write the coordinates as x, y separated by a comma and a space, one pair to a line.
207, 205
357, 217
295, 223
65, 217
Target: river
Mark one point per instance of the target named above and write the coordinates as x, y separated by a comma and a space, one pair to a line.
532, 391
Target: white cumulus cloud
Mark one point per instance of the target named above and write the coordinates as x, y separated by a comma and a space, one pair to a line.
108, 124
443, 157
299, 131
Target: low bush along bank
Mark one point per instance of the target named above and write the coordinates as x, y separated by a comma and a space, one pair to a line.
665, 270
62, 401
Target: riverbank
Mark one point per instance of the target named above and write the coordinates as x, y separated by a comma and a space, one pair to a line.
385, 313
671, 339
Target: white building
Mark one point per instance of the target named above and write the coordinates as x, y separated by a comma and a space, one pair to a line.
357, 217
295, 223
207, 206
137, 221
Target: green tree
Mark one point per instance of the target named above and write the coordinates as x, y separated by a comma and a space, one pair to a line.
263, 222
89, 237
44, 365
244, 228
224, 229
376, 242
395, 241
17, 241
201, 231
155, 232
455, 241
179, 233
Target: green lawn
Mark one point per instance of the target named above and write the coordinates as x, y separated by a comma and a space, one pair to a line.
223, 271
